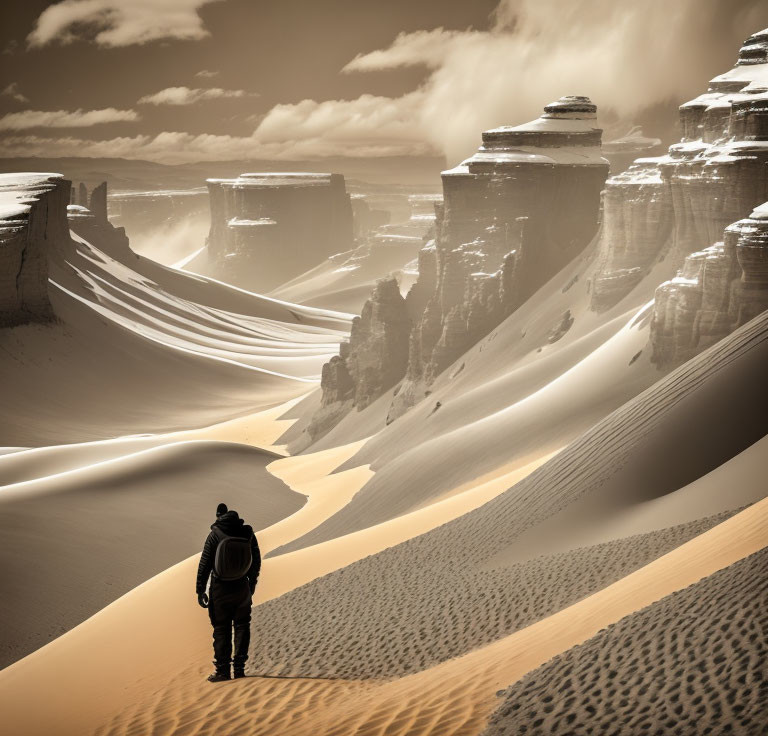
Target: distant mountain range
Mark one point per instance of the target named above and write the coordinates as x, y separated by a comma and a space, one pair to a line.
405, 172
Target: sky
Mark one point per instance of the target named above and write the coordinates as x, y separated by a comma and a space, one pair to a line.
192, 80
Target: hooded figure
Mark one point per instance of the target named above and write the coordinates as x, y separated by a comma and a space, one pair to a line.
229, 599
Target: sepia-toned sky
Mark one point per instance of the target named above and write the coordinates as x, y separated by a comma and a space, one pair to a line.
189, 80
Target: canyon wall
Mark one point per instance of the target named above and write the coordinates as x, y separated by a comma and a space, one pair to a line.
670, 206
511, 216
267, 228
372, 361
717, 290
32, 220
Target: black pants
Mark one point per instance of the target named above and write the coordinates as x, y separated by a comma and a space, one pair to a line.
229, 607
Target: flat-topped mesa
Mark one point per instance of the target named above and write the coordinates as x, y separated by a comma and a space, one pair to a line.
511, 216
717, 290
674, 205
267, 228
517, 211
33, 220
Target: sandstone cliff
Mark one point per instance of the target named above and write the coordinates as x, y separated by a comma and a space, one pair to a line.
32, 221
717, 290
267, 228
674, 205
512, 215
370, 363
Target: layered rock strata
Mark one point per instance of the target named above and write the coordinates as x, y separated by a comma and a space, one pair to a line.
674, 205
511, 216
267, 228
32, 221
717, 290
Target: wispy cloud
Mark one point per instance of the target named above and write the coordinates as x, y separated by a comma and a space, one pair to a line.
187, 96
206, 74
627, 57
113, 23
370, 127
64, 118
12, 90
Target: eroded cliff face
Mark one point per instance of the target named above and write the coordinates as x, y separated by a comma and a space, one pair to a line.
717, 290
91, 222
33, 220
528, 202
371, 362
674, 205
267, 228
511, 216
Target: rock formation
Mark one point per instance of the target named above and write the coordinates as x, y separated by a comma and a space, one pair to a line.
91, 223
98, 202
267, 228
32, 221
717, 290
82, 198
674, 205
366, 219
513, 215
371, 362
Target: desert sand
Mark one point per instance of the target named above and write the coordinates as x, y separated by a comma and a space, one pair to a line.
505, 459
481, 626
162, 334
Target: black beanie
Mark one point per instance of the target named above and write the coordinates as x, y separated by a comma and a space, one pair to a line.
221, 509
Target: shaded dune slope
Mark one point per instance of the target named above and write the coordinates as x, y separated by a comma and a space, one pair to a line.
544, 421
72, 543
694, 662
141, 347
709, 410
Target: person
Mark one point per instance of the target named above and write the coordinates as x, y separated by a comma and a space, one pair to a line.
232, 559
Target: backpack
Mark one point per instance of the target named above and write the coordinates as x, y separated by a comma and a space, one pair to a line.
233, 558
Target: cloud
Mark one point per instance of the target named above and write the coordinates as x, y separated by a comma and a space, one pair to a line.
628, 57
367, 122
113, 23
64, 119
12, 90
206, 74
187, 96
428, 48
370, 126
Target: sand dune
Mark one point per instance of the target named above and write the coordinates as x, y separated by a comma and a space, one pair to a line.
101, 529
568, 406
389, 600
692, 663
456, 697
413, 704
185, 351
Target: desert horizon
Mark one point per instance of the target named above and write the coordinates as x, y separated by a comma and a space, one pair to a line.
371, 370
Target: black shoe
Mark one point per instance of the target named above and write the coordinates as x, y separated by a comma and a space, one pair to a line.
237, 674
219, 677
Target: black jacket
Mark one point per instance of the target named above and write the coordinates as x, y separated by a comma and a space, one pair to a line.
233, 526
